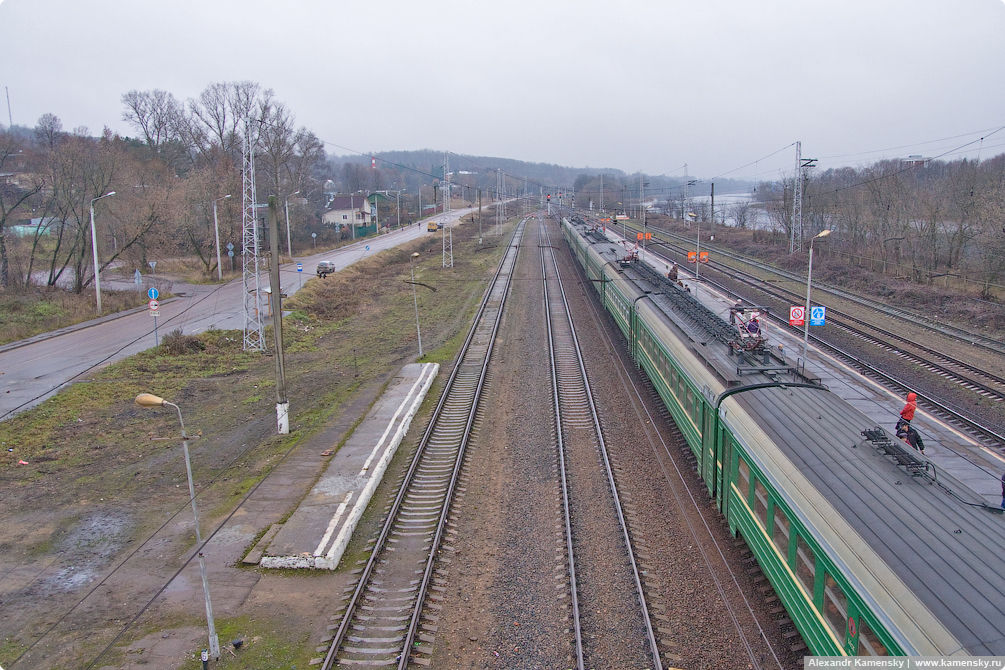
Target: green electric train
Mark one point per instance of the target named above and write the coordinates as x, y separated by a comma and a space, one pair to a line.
871, 549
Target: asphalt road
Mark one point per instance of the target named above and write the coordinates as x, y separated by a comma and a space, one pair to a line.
34, 369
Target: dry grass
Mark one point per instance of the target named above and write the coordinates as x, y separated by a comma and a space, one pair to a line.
90, 444
955, 306
34, 310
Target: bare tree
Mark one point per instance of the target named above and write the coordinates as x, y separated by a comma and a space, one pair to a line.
741, 212
216, 121
990, 215
278, 143
49, 132
155, 114
16, 192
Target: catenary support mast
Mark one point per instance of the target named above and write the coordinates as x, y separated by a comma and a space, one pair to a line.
254, 329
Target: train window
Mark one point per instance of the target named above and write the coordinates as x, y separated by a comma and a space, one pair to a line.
805, 564
761, 503
868, 644
688, 402
780, 532
743, 479
835, 607
673, 380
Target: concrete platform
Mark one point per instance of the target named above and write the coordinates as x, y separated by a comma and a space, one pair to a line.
977, 465
320, 529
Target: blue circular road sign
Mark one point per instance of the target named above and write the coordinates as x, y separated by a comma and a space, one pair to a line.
153, 293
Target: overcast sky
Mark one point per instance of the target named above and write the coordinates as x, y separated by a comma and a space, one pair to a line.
724, 86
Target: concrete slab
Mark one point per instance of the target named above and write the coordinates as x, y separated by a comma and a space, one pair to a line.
318, 532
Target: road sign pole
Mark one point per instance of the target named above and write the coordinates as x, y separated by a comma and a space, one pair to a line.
157, 341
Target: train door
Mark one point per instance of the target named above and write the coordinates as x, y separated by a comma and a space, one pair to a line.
711, 464
724, 461
708, 450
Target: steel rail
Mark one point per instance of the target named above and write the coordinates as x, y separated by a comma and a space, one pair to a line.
366, 575
786, 295
979, 429
597, 313
584, 381
570, 552
971, 338
932, 402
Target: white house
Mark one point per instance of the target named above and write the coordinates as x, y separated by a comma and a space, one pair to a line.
353, 209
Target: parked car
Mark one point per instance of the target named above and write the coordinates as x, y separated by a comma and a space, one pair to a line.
324, 268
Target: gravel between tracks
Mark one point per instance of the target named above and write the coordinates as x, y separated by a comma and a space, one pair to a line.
503, 605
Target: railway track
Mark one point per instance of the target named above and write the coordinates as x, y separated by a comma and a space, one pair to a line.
951, 368
683, 498
598, 640
964, 336
959, 371
381, 622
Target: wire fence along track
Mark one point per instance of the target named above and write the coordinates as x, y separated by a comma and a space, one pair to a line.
576, 414
385, 609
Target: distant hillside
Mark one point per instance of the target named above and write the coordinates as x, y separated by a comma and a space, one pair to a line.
410, 169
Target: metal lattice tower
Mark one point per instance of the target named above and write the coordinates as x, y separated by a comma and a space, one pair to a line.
448, 247
796, 235
446, 183
254, 329
448, 236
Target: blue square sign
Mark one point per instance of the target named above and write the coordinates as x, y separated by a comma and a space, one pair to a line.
818, 314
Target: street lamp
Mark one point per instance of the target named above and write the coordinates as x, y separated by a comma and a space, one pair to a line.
697, 252
809, 276
289, 245
216, 227
148, 400
94, 248
415, 300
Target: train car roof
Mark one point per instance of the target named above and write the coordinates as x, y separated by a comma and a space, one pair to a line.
931, 531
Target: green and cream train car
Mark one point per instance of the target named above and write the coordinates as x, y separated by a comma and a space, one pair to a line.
870, 552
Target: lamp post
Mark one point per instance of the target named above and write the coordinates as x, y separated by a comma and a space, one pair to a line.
94, 248
415, 300
809, 278
642, 205
148, 400
289, 245
697, 252
216, 227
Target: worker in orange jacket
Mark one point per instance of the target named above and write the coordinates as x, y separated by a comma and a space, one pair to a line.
912, 404
904, 429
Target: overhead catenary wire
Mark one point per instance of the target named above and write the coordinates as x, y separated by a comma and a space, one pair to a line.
955, 150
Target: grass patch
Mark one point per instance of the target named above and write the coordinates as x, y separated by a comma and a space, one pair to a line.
264, 645
10, 649
31, 311
351, 330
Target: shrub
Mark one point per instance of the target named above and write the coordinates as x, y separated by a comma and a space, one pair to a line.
178, 344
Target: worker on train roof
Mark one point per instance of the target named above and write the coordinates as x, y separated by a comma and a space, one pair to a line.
912, 404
